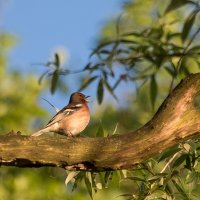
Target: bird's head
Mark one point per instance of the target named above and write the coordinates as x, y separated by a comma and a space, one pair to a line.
78, 97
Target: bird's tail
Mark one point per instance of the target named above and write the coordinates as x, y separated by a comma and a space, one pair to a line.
37, 133
41, 131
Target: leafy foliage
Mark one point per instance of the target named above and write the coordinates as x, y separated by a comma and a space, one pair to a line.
142, 56
166, 177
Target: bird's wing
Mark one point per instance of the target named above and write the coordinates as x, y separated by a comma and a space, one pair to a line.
65, 112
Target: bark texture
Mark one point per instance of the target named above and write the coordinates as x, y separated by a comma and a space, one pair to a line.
177, 120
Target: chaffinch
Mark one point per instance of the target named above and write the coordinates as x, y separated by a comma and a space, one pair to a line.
72, 119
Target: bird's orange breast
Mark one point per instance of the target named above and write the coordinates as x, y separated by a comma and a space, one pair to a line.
76, 122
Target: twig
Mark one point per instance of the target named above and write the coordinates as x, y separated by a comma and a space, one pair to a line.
170, 161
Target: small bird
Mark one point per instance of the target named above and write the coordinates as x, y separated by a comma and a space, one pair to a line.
72, 119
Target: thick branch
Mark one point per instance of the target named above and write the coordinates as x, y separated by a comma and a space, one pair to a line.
177, 120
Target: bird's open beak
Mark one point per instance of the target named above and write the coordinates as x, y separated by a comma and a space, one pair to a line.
87, 99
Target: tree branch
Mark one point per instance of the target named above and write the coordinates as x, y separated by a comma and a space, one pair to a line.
177, 120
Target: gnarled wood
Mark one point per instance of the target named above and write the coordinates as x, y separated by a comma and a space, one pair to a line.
177, 120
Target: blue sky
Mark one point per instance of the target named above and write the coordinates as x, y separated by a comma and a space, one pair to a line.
41, 26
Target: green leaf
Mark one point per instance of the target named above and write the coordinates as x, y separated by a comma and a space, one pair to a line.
88, 185
106, 52
108, 178
132, 34
100, 131
169, 191
168, 153
93, 181
173, 35
170, 71
70, 176
88, 82
110, 89
54, 81
180, 190
127, 41
194, 49
179, 161
87, 66
188, 164
78, 179
135, 178
100, 46
188, 25
157, 176
117, 83
100, 91
153, 90
42, 76
57, 60
191, 177
175, 4
184, 67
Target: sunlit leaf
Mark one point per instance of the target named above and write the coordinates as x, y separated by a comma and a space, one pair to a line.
99, 185
188, 25
70, 176
100, 91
